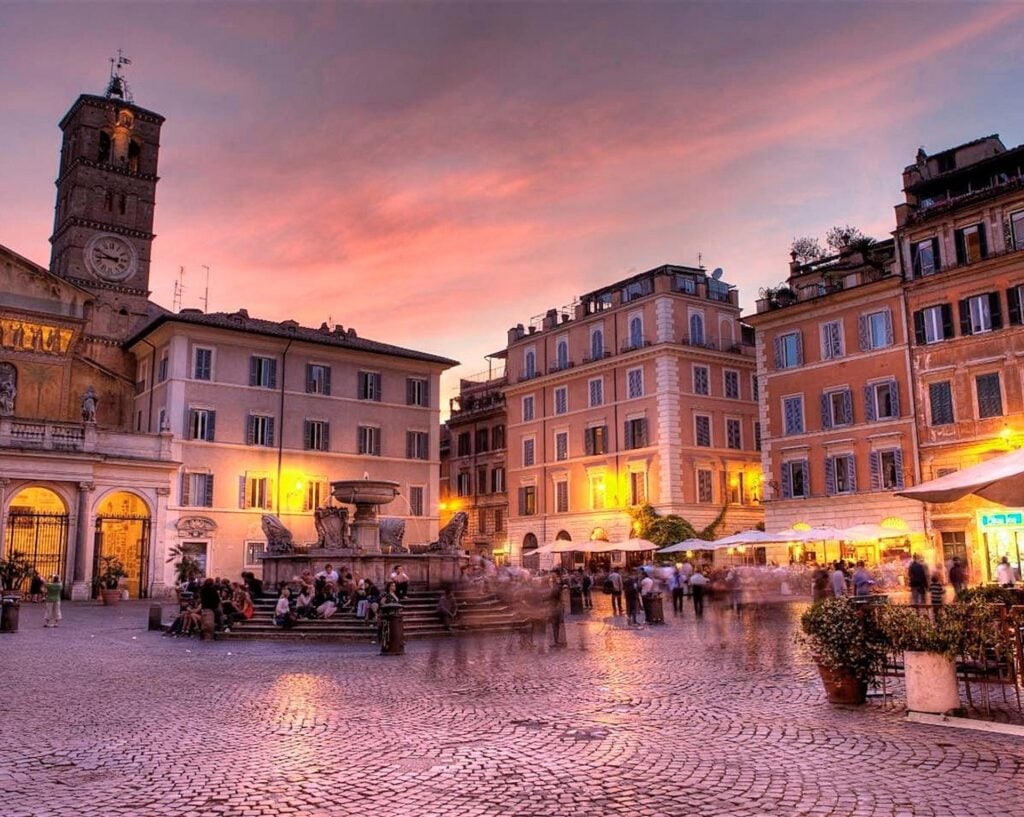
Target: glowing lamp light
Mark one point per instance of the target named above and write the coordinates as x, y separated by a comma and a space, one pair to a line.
894, 523
801, 526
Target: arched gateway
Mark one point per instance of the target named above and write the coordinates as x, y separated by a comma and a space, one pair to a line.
37, 528
123, 531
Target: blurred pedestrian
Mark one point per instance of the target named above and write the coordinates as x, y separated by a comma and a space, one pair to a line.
917, 578
838, 580
631, 590
588, 588
614, 582
556, 613
936, 589
698, 584
958, 576
678, 584
52, 614
1004, 573
862, 581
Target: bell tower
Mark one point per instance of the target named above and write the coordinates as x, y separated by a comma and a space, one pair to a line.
106, 194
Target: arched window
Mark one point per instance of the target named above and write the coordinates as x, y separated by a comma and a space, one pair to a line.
529, 542
529, 363
103, 155
134, 152
563, 536
636, 332
562, 353
597, 344
696, 330
122, 204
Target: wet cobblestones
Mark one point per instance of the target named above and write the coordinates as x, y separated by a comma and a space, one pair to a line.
713, 717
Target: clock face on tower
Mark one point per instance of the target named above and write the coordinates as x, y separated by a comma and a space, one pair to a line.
111, 258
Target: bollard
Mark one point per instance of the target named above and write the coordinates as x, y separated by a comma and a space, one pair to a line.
9, 614
207, 628
156, 616
392, 632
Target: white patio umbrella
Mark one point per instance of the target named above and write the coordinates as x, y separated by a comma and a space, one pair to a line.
628, 546
751, 537
1000, 479
686, 544
861, 533
560, 546
819, 534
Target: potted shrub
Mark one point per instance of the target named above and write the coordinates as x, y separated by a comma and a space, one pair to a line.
930, 641
187, 566
111, 572
845, 645
14, 569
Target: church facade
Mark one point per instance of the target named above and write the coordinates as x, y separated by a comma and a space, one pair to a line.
102, 456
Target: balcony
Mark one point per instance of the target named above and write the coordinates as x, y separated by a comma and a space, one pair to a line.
85, 438
629, 346
732, 347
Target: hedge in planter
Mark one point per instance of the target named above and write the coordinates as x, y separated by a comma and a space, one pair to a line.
847, 647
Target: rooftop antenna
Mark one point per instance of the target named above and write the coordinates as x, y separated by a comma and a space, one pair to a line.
206, 292
700, 261
117, 85
179, 290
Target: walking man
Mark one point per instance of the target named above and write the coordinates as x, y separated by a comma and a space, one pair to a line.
616, 584
917, 576
698, 583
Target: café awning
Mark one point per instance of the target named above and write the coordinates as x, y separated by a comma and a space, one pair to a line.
1000, 479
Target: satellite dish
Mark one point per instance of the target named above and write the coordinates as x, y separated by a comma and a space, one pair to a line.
717, 273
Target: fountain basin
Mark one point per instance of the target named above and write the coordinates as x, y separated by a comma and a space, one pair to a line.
364, 491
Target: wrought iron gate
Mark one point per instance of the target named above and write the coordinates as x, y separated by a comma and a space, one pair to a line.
127, 539
42, 538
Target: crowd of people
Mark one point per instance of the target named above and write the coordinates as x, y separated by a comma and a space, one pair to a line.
927, 586
223, 601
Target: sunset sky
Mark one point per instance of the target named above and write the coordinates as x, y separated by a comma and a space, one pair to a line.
432, 174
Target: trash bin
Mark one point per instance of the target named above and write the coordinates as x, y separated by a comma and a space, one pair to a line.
654, 609
208, 621
392, 631
9, 614
576, 601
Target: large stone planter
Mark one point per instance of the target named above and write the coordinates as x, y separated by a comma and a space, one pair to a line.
842, 686
111, 598
931, 682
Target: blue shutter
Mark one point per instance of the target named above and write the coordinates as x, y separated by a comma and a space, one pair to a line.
830, 476
863, 333
787, 481
270, 431
869, 403
847, 407
250, 429
894, 395
826, 413
778, 352
799, 348
851, 473
209, 491
272, 374
184, 488
876, 471
243, 495
889, 338
805, 467
254, 371
898, 459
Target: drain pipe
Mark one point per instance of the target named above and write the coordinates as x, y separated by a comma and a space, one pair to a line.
280, 420
152, 385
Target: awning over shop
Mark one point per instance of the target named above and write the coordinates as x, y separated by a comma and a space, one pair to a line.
1000, 479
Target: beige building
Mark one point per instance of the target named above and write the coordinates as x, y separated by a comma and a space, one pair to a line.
639, 392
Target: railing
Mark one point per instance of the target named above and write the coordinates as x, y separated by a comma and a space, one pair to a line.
629, 346
46, 436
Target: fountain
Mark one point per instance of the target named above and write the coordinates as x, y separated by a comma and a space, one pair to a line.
356, 545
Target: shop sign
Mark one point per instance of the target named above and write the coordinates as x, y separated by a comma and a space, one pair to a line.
1007, 519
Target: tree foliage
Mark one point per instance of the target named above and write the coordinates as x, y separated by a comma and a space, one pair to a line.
667, 530
807, 249
839, 238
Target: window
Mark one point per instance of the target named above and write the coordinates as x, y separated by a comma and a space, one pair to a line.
954, 545
527, 500
831, 340
462, 448
416, 391
789, 350
990, 399
887, 469
369, 386
562, 445
318, 379
924, 257
702, 430
498, 480
369, 440
882, 400
562, 353
635, 383
733, 435
462, 486
527, 408
260, 430
263, 372
498, 437
256, 491
940, 398
528, 451
1013, 304
757, 436
596, 491
415, 500
701, 380
483, 439
875, 330
317, 435
202, 364
686, 283
696, 329
793, 414
971, 244
596, 392
596, 344
840, 475
562, 496
755, 388
561, 400
732, 385
161, 372
637, 487
140, 386
636, 332
201, 424
836, 408
933, 324
705, 486
980, 313
795, 480
499, 520
417, 445
317, 492
481, 479
636, 289
197, 490
1017, 228
254, 553
529, 363
636, 433
595, 440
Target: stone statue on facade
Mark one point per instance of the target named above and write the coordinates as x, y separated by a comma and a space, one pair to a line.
89, 401
8, 391
332, 527
449, 538
392, 532
279, 538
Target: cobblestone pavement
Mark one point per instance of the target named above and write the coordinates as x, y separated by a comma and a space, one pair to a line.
714, 717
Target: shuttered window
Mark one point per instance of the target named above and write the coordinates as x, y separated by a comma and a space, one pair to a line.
702, 430
316, 435
318, 379
940, 398
990, 399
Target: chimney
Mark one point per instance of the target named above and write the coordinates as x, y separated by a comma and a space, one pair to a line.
550, 319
